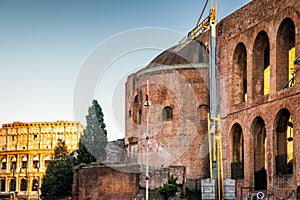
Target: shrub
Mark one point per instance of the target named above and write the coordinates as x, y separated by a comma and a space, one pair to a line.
170, 188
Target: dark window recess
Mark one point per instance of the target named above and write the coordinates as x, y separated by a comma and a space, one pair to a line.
24, 164
237, 170
167, 113
3, 165
260, 179
13, 166
23, 185
35, 185
282, 167
2, 185
12, 185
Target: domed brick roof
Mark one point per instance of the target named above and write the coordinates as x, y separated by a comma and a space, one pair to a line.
191, 52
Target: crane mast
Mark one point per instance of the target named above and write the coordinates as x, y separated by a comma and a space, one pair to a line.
214, 122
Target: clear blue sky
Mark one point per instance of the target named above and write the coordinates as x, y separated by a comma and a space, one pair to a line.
44, 45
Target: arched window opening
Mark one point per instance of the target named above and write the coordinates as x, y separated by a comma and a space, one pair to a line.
203, 111
239, 90
285, 146
13, 165
267, 70
2, 184
258, 146
35, 162
12, 185
46, 161
167, 113
35, 185
23, 184
3, 164
237, 164
24, 162
135, 109
285, 54
261, 68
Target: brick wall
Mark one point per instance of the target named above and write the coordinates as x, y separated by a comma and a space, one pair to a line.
260, 23
178, 141
102, 183
159, 176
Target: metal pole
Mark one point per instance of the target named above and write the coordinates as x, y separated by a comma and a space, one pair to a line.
147, 156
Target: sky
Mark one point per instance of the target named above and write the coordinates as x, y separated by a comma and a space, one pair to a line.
58, 55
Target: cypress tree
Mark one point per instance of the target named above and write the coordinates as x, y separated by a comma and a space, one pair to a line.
57, 182
93, 143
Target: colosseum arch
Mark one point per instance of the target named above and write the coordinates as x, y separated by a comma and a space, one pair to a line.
258, 154
23, 186
283, 145
13, 185
285, 54
3, 163
261, 65
2, 184
239, 81
35, 185
237, 152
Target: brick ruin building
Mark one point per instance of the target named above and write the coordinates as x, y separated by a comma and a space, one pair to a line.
259, 107
256, 48
178, 92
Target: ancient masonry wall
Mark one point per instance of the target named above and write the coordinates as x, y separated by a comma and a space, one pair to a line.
259, 35
176, 141
101, 182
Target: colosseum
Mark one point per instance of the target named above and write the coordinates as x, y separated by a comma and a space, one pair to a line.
259, 98
25, 151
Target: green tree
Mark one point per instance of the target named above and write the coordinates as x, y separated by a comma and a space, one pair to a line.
57, 182
82, 155
94, 140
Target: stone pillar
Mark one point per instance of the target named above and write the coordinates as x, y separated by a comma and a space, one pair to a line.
7, 140
29, 184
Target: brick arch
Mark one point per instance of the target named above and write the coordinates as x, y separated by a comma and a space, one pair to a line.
135, 104
239, 74
261, 62
237, 151
283, 128
167, 113
258, 151
285, 51
202, 112
135, 109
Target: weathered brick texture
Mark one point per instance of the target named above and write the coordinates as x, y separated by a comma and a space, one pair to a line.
102, 183
260, 116
255, 121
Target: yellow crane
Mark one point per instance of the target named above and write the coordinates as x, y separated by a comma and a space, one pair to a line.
214, 122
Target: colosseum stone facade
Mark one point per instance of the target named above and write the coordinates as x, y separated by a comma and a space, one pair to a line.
25, 150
